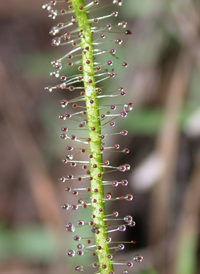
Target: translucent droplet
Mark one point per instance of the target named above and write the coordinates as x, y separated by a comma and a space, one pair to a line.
70, 227
65, 206
128, 197
128, 218
69, 156
80, 253
81, 223
132, 224
56, 41
77, 238
124, 182
122, 228
49, 88
115, 214
138, 258
122, 24
118, 41
128, 107
71, 253
120, 247
79, 268
80, 246
44, 6
54, 30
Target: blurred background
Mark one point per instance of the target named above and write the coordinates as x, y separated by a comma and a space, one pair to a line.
162, 81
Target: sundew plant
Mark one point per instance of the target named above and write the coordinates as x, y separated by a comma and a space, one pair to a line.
86, 125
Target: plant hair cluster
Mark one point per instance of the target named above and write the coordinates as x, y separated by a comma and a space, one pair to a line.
86, 125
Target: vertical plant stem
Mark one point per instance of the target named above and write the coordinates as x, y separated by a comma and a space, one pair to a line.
94, 126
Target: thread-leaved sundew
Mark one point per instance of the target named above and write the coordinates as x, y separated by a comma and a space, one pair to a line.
86, 124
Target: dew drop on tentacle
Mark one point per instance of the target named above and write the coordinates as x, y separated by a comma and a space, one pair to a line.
71, 253
138, 258
79, 268
128, 32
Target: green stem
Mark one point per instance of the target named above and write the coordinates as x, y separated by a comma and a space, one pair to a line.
98, 207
